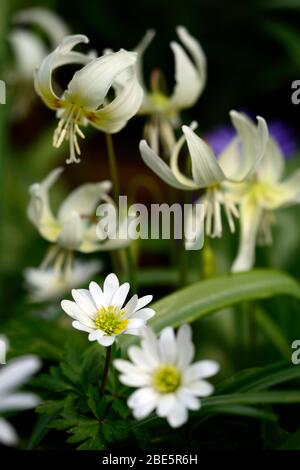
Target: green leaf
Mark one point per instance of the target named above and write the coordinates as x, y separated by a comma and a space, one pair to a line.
97, 404
241, 410
39, 431
252, 398
205, 297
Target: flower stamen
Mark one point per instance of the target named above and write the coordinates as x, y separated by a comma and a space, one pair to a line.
110, 320
166, 379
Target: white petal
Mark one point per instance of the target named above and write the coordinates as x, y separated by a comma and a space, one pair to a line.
143, 301
167, 346
83, 200
114, 116
201, 370
95, 335
28, 50
19, 401
141, 397
62, 55
120, 295
178, 415
74, 311
97, 295
135, 380
205, 167
185, 347
106, 340
250, 217
188, 399
17, 372
90, 85
160, 168
39, 211
8, 435
200, 388
165, 404
149, 344
190, 78
85, 301
144, 313
130, 307
55, 28
270, 168
81, 327
72, 231
253, 141
144, 410
111, 284
135, 323
3, 349
140, 359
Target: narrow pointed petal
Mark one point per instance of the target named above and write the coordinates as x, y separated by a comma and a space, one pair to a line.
190, 78
250, 217
271, 167
160, 168
205, 168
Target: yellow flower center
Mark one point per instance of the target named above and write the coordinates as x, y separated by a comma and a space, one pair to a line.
167, 379
110, 320
68, 128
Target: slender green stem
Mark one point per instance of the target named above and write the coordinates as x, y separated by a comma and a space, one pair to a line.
106, 369
113, 167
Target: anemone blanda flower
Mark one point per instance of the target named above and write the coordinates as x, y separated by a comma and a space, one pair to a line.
13, 375
258, 196
49, 283
237, 162
86, 98
102, 313
167, 380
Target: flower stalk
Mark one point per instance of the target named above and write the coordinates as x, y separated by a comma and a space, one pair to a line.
106, 370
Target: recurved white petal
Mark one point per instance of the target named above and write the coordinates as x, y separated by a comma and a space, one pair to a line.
160, 168
114, 116
190, 77
206, 170
62, 55
83, 200
90, 85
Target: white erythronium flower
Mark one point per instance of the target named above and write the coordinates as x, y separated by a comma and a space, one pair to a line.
258, 196
74, 226
166, 379
86, 98
13, 375
190, 79
237, 162
48, 283
102, 313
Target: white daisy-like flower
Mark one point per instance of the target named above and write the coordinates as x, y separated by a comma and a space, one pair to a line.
86, 98
12, 376
166, 379
102, 313
48, 284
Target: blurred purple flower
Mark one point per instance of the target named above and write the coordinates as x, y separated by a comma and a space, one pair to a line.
284, 135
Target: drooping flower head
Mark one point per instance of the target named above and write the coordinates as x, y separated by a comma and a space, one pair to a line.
13, 375
237, 162
85, 99
102, 313
161, 107
167, 380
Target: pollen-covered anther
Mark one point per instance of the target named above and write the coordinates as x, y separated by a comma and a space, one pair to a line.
68, 128
110, 320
